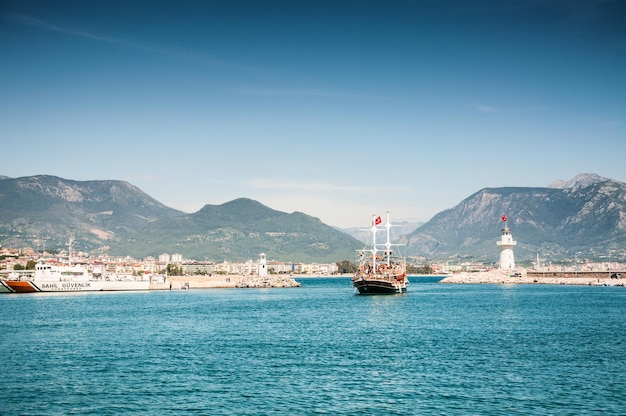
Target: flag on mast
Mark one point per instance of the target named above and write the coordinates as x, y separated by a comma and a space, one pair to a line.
504, 218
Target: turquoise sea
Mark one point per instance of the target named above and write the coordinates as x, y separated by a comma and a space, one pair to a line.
319, 349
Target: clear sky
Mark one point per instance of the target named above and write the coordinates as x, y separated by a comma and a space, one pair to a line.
337, 109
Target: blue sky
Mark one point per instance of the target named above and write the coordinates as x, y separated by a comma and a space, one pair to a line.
336, 109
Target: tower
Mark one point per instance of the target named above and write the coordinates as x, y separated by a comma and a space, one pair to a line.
506, 243
262, 265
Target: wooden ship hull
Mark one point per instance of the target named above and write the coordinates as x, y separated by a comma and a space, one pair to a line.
380, 285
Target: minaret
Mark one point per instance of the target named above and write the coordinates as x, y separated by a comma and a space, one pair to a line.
262, 265
506, 243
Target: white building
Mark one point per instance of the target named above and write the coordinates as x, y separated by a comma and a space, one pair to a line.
506, 243
262, 271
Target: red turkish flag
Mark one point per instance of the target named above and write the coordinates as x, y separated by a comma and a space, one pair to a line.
504, 217
378, 220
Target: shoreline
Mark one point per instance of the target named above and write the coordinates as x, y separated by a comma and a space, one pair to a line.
504, 277
494, 277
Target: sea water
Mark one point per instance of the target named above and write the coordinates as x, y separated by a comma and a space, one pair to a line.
319, 349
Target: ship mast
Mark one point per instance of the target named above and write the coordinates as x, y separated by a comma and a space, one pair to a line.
374, 249
388, 244
380, 247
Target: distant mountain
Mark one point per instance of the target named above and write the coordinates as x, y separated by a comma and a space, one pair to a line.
579, 181
116, 218
240, 230
586, 215
43, 211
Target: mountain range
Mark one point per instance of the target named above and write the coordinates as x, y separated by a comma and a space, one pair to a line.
117, 218
581, 218
584, 217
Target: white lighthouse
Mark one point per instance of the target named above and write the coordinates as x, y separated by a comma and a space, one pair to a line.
506, 243
262, 265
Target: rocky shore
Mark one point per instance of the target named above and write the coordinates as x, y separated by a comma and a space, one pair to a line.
506, 277
225, 281
267, 282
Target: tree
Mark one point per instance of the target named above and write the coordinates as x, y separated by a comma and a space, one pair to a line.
425, 269
173, 270
346, 266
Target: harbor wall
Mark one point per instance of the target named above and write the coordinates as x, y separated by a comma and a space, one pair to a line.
577, 275
224, 282
534, 277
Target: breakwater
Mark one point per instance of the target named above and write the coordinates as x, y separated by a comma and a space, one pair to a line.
224, 281
577, 274
533, 277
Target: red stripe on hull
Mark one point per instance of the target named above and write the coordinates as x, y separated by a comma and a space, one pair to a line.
19, 286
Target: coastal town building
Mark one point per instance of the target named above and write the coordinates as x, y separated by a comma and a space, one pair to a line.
13, 260
197, 268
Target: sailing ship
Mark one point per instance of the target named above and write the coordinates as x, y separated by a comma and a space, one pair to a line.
50, 277
380, 270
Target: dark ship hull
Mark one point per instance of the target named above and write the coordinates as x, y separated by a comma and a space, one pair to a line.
373, 286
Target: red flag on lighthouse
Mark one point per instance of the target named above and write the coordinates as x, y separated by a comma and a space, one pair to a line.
504, 218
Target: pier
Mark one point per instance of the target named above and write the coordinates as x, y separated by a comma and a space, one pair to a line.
520, 276
595, 274
224, 282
